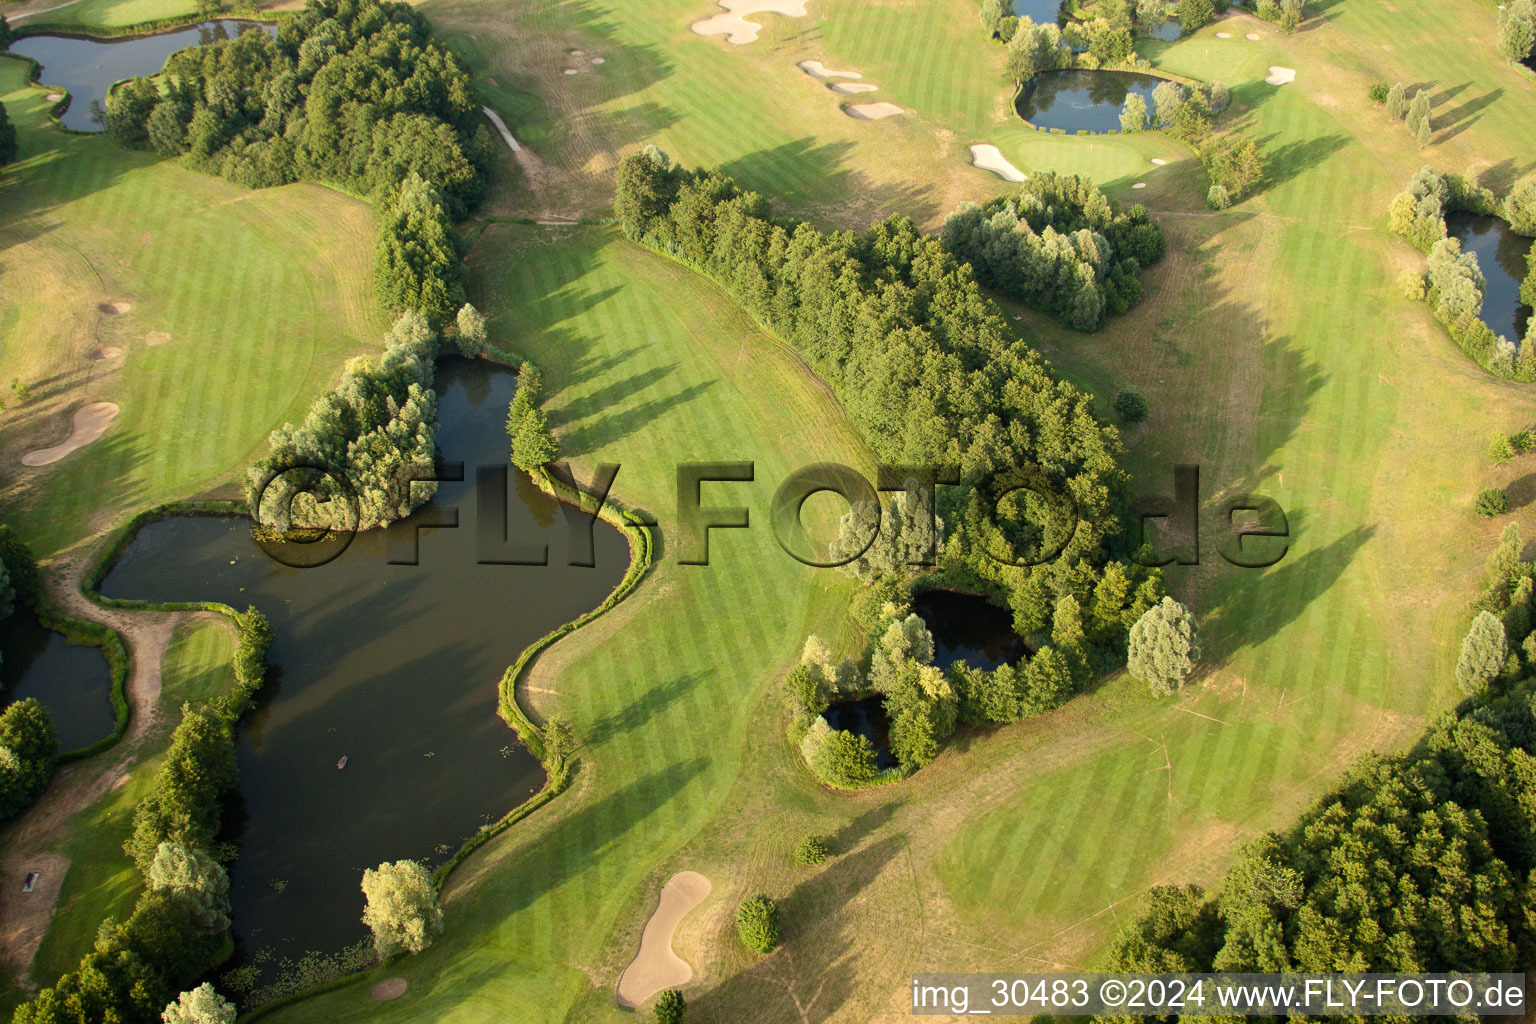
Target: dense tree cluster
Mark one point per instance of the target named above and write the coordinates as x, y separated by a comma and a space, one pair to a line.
1288, 14
9, 149
179, 927
28, 741
1033, 49
1454, 284
351, 463
926, 370
1058, 245
351, 92
1517, 30
1519, 207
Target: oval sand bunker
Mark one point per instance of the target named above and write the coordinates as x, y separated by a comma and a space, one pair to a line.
872, 111
656, 967
990, 158
394, 988
90, 422
1280, 76
734, 25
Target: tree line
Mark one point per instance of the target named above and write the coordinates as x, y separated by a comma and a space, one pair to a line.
925, 369
354, 93
1416, 862
1104, 40
1453, 284
28, 741
1059, 246
179, 928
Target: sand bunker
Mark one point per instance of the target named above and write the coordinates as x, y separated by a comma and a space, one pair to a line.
1158, 161
91, 422
115, 308
394, 988
1223, 35
1252, 37
990, 158
819, 70
734, 25
54, 97
851, 87
156, 338
596, 61
656, 967
1139, 184
1279, 75
109, 352
872, 111
573, 71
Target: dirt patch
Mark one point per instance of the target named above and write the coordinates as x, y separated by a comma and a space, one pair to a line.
990, 158
90, 422
115, 308
1280, 76
872, 111
655, 966
734, 25
154, 338
108, 352
394, 988
816, 69
24, 916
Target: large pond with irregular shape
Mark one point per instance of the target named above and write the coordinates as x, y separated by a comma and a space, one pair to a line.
73, 681
87, 68
1081, 100
394, 667
1041, 12
1502, 256
969, 628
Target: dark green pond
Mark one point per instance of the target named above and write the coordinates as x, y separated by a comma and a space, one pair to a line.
87, 68
1041, 12
393, 666
1077, 99
1501, 256
73, 681
968, 628
865, 717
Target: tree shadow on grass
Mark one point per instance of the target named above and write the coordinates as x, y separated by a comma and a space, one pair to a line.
633, 715
814, 181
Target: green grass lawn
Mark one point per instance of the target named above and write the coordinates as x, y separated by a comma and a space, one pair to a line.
102, 881
103, 13
261, 295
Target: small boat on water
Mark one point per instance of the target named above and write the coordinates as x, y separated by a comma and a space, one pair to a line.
342, 763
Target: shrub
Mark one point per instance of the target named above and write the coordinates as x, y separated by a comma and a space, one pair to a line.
671, 1008
1131, 405
811, 851
1522, 441
1379, 92
757, 922
1499, 448
1491, 502
1218, 198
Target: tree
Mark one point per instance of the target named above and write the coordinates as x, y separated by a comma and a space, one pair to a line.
6, 35
1168, 99
1482, 653
1164, 646
1422, 134
757, 922
1195, 14
671, 1007
533, 446
1378, 92
27, 733
1418, 109
991, 16
166, 129
1519, 208
1131, 405
1218, 198
845, 758
416, 255
403, 910
1134, 117
471, 331
1491, 502
812, 850
198, 879
202, 1005
1517, 30
1397, 106
8, 145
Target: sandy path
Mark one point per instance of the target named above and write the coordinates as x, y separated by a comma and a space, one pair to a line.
542, 180
501, 126
872, 111
990, 158
734, 25
90, 422
656, 967
26, 844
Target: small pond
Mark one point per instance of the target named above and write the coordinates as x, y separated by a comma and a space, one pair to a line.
865, 717
969, 628
87, 68
393, 666
1501, 254
1078, 99
73, 681
1041, 12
